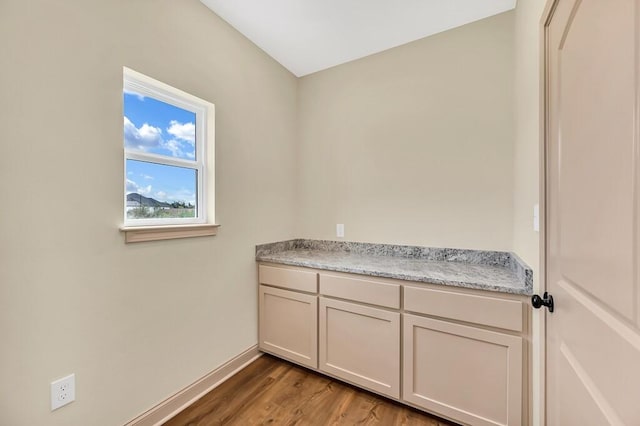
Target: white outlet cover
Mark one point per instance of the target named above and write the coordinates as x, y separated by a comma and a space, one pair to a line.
536, 218
340, 230
63, 391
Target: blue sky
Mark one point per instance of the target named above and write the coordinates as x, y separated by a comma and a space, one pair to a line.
159, 128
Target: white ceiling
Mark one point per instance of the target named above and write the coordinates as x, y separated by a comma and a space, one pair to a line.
311, 35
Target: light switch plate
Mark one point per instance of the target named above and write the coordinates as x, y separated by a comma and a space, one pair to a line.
536, 218
340, 230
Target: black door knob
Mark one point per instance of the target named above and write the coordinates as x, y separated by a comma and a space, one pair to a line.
545, 300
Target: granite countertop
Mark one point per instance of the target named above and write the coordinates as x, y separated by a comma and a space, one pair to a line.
485, 270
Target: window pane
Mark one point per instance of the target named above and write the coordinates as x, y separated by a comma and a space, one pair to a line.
157, 191
157, 127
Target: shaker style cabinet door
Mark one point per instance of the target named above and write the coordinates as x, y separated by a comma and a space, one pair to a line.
360, 344
464, 373
289, 324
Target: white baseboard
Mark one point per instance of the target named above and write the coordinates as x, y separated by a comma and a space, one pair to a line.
187, 396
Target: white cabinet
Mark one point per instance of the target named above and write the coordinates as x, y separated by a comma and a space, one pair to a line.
288, 323
457, 353
471, 372
360, 344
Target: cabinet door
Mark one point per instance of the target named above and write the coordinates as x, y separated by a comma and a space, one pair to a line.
288, 325
361, 344
465, 373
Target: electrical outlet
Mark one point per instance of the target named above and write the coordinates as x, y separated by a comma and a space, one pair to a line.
340, 230
536, 218
63, 391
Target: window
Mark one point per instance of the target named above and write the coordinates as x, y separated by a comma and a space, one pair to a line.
168, 151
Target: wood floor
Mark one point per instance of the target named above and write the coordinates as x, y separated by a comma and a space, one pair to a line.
275, 392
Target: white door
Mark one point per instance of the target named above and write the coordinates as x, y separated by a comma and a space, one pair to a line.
593, 195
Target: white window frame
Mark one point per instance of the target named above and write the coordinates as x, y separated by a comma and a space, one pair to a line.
203, 163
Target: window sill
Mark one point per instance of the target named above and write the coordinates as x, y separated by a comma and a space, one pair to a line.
138, 234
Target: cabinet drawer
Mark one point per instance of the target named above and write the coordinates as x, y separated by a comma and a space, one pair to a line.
490, 311
288, 278
365, 291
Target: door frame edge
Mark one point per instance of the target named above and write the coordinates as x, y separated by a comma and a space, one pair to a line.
539, 323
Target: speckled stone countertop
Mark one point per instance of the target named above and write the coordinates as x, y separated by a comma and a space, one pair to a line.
485, 270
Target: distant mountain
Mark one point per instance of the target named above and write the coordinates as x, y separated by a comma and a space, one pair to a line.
146, 201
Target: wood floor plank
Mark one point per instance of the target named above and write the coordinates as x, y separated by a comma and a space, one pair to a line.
271, 391
233, 395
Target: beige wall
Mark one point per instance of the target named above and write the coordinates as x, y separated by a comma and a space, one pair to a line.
136, 323
413, 145
526, 146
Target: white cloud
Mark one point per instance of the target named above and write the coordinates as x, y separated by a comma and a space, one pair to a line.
161, 195
179, 195
174, 146
148, 137
131, 186
144, 137
131, 92
147, 177
134, 187
183, 131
